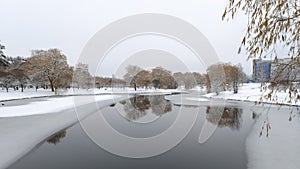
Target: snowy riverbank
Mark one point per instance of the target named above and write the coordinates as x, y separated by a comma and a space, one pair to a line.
26, 126
252, 92
278, 146
273, 142
32, 93
45, 106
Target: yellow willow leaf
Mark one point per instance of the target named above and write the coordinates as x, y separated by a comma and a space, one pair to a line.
244, 41
224, 14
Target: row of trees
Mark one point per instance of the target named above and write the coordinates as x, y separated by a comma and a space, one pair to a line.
224, 76
190, 80
49, 69
11, 72
161, 78
158, 77
46, 69
219, 77
107, 82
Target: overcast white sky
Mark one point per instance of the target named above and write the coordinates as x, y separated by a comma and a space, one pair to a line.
69, 24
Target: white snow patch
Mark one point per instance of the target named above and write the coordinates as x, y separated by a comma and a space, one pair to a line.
252, 92
51, 105
22, 133
197, 99
32, 93
28, 93
281, 148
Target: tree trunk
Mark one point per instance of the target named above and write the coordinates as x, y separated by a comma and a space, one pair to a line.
22, 88
52, 86
235, 87
134, 86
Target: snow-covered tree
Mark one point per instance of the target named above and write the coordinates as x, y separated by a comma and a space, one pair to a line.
178, 76
216, 77
12, 73
232, 77
6, 79
223, 76
82, 79
200, 80
130, 76
3, 60
164, 78
188, 79
50, 64
16, 68
143, 78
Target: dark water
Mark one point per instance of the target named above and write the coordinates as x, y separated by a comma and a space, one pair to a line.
147, 116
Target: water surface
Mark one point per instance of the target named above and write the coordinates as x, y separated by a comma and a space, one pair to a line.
148, 116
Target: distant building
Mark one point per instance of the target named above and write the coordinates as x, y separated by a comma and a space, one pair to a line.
277, 69
261, 70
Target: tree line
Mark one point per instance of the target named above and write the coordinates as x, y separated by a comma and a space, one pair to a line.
158, 77
213, 79
46, 69
49, 69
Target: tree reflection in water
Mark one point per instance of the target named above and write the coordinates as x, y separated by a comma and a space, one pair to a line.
138, 106
159, 105
230, 117
56, 138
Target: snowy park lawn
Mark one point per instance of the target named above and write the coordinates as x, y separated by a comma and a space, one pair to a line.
63, 103
251, 92
47, 106
28, 93
31, 93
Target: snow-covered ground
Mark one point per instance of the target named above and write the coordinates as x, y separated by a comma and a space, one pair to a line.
46, 106
31, 93
252, 92
33, 123
281, 148
28, 93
